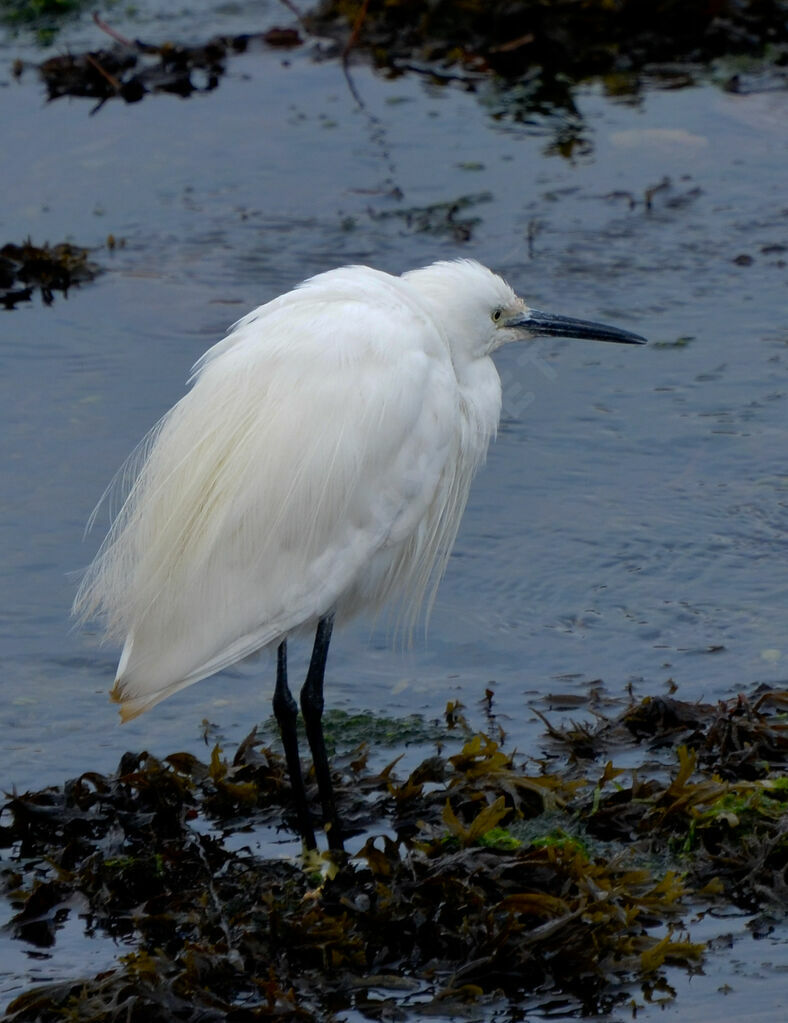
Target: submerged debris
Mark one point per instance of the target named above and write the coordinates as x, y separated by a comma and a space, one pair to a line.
489, 879
27, 267
441, 219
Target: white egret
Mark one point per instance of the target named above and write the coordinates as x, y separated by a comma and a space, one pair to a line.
319, 464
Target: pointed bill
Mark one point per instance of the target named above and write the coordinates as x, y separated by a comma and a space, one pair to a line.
539, 324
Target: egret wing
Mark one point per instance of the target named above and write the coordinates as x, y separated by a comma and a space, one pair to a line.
301, 473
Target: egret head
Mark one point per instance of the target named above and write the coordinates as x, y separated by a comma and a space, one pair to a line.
480, 312
530, 323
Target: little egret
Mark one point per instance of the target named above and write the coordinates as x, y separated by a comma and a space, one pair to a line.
319, 464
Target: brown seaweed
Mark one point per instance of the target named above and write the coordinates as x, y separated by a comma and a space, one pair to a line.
578, 38
27, 268
491, 876
132, 69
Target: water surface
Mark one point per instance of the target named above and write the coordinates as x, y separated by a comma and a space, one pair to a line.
630, 524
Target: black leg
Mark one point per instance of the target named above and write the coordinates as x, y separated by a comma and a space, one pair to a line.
312, 709
286, 713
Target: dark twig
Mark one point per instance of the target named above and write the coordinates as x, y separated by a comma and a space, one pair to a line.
113, 81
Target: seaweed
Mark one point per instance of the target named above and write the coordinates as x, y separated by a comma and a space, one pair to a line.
480, 875
575, 38
132, 69
742, 738
27, 268
531, 52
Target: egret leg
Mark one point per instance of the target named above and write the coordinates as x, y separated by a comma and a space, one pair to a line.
286, 713
312, 709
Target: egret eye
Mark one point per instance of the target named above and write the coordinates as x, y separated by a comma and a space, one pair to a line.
497, 315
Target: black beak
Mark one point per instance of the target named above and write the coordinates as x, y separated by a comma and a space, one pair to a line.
539, 324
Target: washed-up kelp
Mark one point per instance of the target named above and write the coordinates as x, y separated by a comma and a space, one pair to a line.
131, 69
573, 37
740, 739
490, 878
541, 48
27, 268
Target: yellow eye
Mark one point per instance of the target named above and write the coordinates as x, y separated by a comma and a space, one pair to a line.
497, 315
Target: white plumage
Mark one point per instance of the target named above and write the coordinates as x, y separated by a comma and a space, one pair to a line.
321, 459
320, 462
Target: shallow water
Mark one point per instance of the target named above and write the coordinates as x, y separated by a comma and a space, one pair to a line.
630, 524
